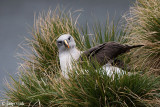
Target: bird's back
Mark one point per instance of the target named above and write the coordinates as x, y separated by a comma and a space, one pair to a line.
107, 51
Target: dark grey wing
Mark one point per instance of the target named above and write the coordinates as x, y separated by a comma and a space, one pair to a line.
90, 52
106, 51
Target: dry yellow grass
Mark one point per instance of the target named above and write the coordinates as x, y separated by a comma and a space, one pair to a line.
143, 25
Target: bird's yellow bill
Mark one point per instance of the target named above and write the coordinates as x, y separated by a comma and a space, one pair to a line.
66, 43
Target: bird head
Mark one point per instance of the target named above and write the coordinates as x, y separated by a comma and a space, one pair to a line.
65, 42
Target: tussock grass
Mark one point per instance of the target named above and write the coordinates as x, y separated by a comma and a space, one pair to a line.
85, 88
95, 88
143, 25
40, 83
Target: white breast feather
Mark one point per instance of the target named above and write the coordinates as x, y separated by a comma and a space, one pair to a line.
66, 59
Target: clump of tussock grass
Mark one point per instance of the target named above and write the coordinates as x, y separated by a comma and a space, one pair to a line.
40, 83
87, 87
143, 25
41, 60
30, 89
94, 88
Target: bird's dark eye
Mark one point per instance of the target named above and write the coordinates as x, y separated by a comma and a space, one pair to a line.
69, 38
59, 42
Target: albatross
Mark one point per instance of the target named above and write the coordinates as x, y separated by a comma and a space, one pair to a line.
102, 53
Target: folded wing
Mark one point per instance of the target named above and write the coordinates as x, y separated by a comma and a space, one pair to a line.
106, 51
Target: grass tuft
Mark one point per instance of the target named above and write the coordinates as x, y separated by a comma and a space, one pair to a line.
143, 25
96, 88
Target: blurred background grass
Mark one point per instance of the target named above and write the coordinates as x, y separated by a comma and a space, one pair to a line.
143, 23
